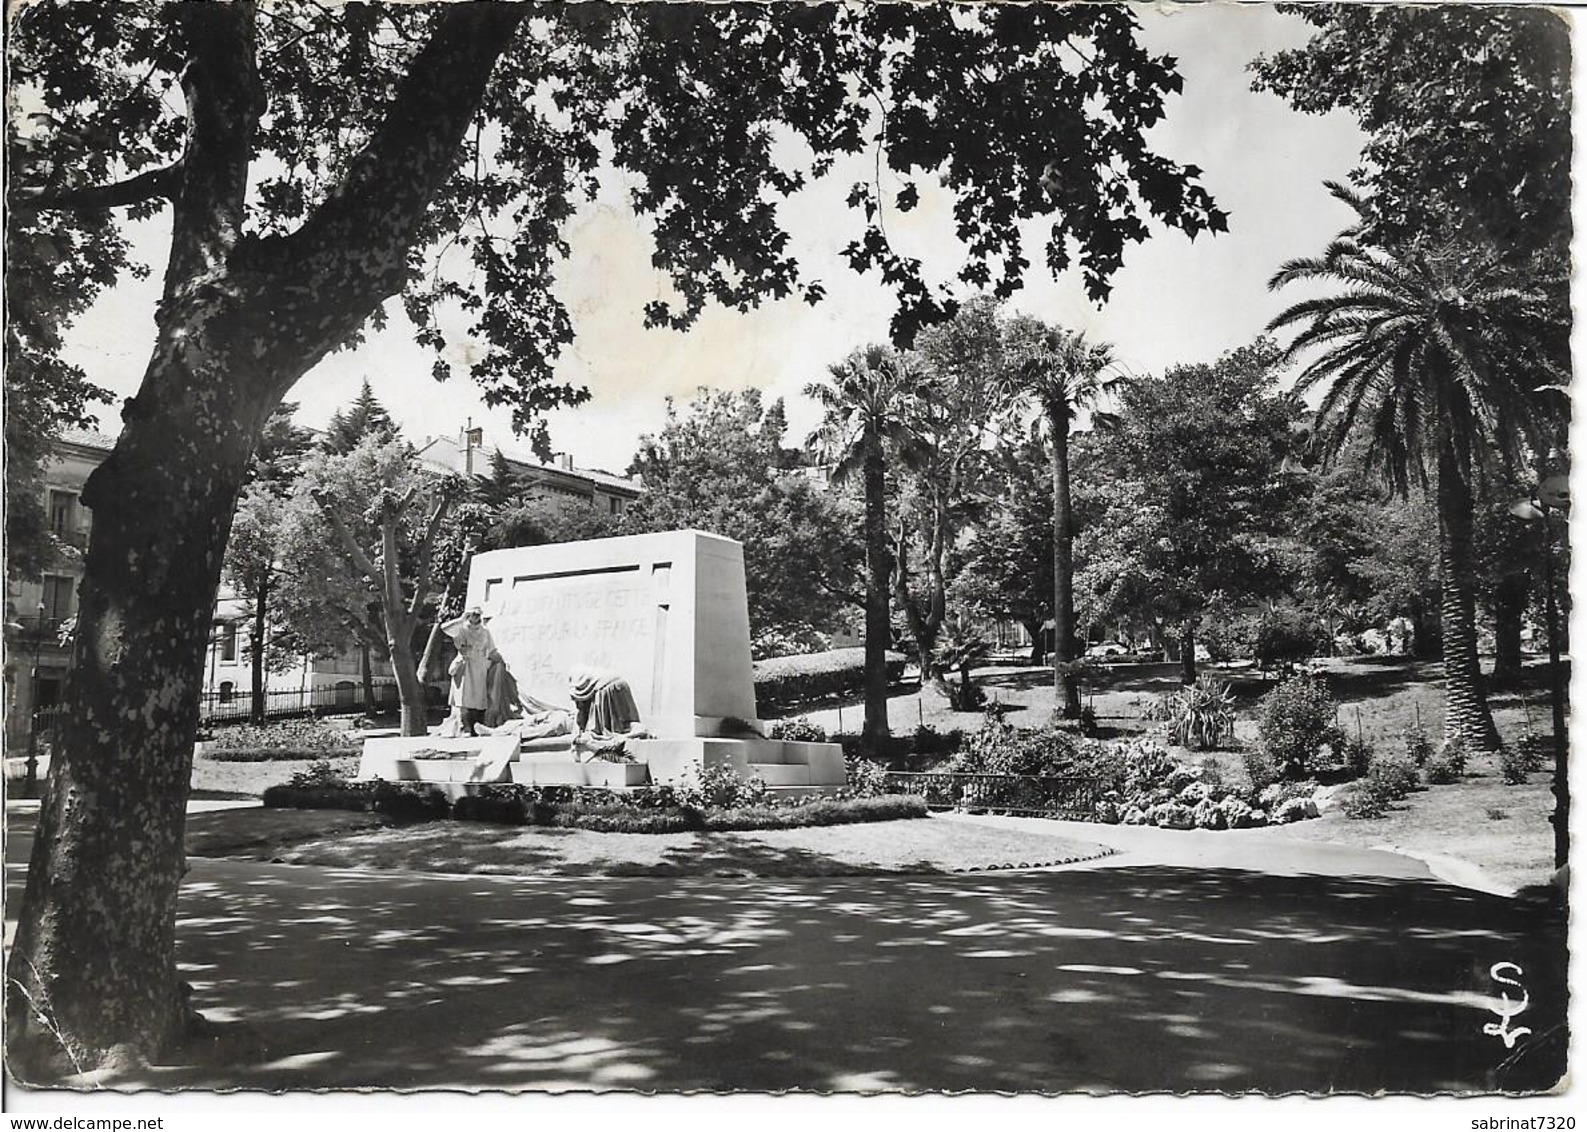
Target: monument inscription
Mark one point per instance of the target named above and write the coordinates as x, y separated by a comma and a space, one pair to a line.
545, 624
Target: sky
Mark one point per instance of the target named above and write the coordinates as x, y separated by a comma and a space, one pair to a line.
1174, 301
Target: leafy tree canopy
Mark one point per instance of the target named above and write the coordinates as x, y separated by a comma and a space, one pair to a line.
717, 110
1196, 492
1466, 108
718, 467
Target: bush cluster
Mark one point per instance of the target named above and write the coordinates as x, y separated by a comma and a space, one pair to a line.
711, 803
283, 739
1448, 765
1527, 754
786, 680
1137, 782
1418, 747
1295, 723
1388, 781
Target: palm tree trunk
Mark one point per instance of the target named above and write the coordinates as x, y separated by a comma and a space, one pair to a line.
1066, 683
878, 621
1187, 651
1466, 713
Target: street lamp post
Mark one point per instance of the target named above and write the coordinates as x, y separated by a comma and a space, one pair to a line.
31, 780
1553, 494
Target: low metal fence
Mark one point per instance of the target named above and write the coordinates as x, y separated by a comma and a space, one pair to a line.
1050, 796
228, 706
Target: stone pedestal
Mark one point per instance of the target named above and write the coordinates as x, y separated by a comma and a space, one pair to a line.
669, 613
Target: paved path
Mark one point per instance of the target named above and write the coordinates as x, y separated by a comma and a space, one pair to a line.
1178, 966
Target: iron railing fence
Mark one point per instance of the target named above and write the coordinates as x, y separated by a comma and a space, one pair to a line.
226, 706
1067, 796
230, 706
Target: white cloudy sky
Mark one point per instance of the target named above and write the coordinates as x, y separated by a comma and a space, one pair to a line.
1174, 300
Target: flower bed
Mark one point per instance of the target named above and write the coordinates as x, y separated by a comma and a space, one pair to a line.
717, 800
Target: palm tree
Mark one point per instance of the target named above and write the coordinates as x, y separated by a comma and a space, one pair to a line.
1435, 358
1062, 372
861, 403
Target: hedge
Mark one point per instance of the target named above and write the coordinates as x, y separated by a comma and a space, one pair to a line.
277, 754
601, 811
786, 680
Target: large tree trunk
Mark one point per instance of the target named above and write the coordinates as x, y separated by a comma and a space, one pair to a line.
93, 965
1065, 651
256, 648
1187, 651
1466, 713
1509, 608
878, 620
1038, 646
366, 676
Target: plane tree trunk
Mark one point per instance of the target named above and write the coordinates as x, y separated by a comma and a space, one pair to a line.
92, 975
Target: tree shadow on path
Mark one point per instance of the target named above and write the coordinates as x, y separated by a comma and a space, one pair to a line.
1130, 979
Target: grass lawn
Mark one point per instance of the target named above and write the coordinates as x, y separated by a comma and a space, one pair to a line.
348, 840
1502, 829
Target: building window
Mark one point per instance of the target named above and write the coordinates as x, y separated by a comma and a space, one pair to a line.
614, 505
58, 596
63, 513
228, 642
228, 691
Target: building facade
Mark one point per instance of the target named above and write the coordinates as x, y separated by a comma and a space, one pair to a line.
40, 613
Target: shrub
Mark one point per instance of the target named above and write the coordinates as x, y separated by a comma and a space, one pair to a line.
799, 730
316, 774
1357, 757
1418, 747
1448, 765
1514, 765
1286, 635
787, 680
1362, 802
499, 805
1202, 715
356, 796
272, 754
287, 735
929, 741
862, 778
1259, 767
999, 748
1395, 778
410, 801
720, 787
1228, 636
1534, 750
1296, 723
1493, 813
1211, 773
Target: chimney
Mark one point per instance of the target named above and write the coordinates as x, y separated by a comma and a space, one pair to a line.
565, 461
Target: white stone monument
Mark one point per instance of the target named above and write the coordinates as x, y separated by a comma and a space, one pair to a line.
669, 613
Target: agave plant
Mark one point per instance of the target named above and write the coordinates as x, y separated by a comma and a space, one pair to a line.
1202, 715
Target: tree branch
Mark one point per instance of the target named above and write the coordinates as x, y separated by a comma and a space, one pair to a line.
349, 544
224, 101
353, 250
432, 531
153, 184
